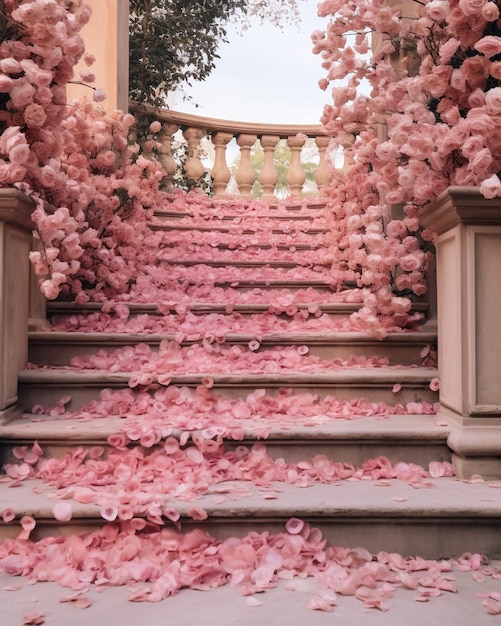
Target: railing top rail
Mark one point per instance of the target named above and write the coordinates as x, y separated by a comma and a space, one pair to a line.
211, 124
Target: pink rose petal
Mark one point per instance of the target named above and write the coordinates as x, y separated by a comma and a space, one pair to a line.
294, 526
62, 511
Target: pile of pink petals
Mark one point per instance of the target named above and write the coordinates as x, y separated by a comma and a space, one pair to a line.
235, 241
155, 563
233, 275
191, 253
193, 325
148, 365
126, 482
169, 409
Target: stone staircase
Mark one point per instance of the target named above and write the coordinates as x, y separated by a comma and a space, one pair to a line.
242, 371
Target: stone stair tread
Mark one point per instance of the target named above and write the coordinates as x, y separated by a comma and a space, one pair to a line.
178, 225
73, 307
353, 376
225, 605
244, 264
447, 499
397, 428
299, 247
342, 308
278, 283
293, 216
334, 337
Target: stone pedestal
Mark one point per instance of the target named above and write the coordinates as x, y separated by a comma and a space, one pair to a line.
468, 229
16, 230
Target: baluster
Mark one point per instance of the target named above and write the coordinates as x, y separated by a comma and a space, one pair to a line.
295, 175
322, 175
193, 167
166, 159
245, 175
269, 175
220, 172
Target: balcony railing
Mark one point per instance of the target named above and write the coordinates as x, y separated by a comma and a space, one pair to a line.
212, 146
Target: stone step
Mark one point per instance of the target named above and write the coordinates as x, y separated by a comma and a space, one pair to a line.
234, 239
443, 518
278, 305
264, 284
253, 264
57, 310
178, 225
57, 348
418, 439
286, 603
46, 386
181, 245
248, 274
227, 210
274, 215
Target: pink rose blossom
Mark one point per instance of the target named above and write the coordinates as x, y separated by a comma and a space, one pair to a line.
471, 7
490, 12
98, 95
437, 10
488, 45
491, 187
34, 116
22, 93
493, 101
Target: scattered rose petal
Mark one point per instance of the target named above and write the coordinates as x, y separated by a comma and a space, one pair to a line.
198, 514
434, 384
294, 526
62, 511
33, 618
8, 515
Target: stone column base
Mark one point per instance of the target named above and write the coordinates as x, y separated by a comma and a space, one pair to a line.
476, 445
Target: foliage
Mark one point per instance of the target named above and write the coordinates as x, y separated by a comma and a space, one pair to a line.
175, 42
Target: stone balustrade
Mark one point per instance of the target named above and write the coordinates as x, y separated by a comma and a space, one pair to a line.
212, 146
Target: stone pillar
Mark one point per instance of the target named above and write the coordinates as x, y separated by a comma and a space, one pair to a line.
166, 159
245, 175
322, 175
106, 36
16, 230
194, 168
296, 175
468, 242
220, 171
269, 176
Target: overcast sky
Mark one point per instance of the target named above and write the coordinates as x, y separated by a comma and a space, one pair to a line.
265, 75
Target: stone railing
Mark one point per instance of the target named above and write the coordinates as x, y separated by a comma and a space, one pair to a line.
209, 142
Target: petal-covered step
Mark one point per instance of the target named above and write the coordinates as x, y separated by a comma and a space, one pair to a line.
46, 385
353, 439
284, 304
58, 348
443, 518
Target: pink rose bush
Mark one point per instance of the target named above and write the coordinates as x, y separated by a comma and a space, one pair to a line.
93, 190
419, 113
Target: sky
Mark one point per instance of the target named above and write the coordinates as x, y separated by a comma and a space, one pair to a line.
265, 75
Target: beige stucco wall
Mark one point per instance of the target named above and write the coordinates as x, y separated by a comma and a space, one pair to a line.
107, 38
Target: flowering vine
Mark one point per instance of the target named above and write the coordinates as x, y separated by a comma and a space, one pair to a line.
92, 188
431, 120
